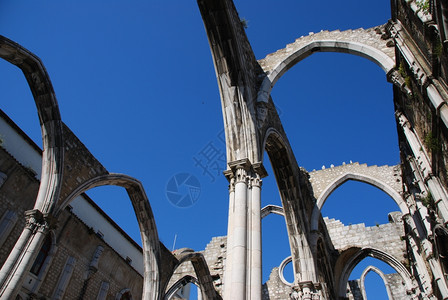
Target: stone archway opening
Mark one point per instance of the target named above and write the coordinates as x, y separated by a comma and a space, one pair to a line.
375, 279
360, 203
186, 287
339, 111
400, 284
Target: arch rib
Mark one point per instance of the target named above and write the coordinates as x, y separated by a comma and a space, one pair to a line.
353, 256
147, 225
381, 274
272, 209
179, 284
202, 272
49, 119
356, 177
360, 49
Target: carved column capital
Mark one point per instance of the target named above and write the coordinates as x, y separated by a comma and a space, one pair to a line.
241, 175
32, 219
256, 180
36, 221
244, 171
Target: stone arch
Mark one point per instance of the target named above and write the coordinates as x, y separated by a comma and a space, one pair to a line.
364, 43
49, 118
124, 292
179, 284
145, 218
350, 257
272, 209
287, 175
281, 270
200, 268
350, 175
381, 274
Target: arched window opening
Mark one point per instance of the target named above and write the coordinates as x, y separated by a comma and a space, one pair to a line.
374, 286
377, 278
357, 202
126, 296
42, 256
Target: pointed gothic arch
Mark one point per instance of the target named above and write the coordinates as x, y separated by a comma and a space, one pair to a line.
381, 274
287, 175
350, 257
145, 218
202, 272
179, 284
49, 118
277, 64
360, 178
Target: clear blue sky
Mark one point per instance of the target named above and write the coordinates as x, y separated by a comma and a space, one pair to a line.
135, 82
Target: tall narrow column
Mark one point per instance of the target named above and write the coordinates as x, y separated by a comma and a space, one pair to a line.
255, 233
228, 267
25, 251
239, 237
242, 278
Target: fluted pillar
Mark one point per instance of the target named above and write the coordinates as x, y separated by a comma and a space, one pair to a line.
21, 258
228, 267
255, 240
242, 278
239, 237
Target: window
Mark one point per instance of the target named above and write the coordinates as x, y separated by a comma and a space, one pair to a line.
42, 256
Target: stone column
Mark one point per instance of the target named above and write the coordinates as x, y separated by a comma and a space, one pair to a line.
242, 278
255, 242
228, 266
21, 258
239, 237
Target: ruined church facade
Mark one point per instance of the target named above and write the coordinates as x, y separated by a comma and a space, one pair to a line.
412, 50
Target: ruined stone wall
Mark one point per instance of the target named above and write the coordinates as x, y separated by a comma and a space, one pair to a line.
321, 180
72, 237
274, 288
430, 66
384, 237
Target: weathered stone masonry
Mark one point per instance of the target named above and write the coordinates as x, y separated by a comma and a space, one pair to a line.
412, 50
